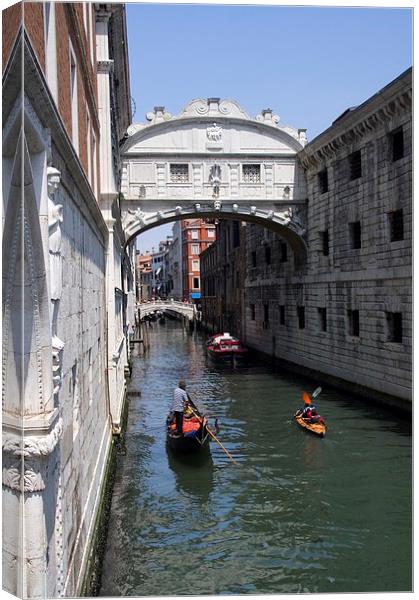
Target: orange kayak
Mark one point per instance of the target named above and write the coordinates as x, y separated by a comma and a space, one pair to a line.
317, 428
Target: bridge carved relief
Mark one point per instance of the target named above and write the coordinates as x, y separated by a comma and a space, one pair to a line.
214, 161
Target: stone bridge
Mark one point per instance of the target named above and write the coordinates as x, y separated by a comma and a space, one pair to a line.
184, 309
214, 161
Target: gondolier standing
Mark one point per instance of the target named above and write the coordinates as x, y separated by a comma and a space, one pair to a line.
180, 398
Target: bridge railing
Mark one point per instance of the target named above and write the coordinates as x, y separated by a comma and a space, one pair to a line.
184, 308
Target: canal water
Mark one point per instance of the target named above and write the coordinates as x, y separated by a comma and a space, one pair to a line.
299, 513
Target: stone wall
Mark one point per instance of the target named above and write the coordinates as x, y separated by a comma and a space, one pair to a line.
346, 313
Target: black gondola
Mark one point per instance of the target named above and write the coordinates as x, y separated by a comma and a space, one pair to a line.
195, 435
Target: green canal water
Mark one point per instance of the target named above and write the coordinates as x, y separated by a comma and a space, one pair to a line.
300, 514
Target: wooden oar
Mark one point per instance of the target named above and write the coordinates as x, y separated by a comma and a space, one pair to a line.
214, 437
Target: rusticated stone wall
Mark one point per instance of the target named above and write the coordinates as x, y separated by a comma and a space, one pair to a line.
346, 314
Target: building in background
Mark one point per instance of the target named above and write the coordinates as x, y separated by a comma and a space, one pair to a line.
347, 311
62, 127
160, 279
197, 236
174, 263
144, 276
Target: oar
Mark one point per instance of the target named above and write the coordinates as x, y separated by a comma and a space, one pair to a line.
316, 392
214, 437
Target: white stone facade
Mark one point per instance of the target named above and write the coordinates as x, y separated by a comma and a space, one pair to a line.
213, 159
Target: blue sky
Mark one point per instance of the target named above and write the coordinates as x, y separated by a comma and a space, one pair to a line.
306, 63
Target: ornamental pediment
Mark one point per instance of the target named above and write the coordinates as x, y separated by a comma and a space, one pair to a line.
214, 126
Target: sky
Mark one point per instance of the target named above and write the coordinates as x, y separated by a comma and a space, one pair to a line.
307, 63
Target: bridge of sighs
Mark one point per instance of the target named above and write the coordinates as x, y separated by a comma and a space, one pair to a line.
214, 161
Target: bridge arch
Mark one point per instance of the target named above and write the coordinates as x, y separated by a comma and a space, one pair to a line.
213, 161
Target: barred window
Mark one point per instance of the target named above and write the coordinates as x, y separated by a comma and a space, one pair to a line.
395, 219
301, 315
283, 252
252, 312
324, 239
323, 181
355, 165
394, 327
353, 322
251, 173
355, 234
282, 314
179, 173
322, 318
397, 144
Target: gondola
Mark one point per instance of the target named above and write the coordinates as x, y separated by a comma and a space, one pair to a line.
195, 436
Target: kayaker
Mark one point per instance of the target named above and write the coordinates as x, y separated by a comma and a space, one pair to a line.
180, 399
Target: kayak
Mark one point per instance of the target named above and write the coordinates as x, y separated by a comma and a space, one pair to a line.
317, 428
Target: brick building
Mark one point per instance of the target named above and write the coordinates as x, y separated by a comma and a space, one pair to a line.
64, 114
144, 275
197, 236
347, 311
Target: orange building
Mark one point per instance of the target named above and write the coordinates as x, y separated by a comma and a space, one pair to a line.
144, 276
197, 236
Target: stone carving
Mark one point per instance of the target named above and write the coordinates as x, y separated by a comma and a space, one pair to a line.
214, 133
293, 220
29, 480
142, 191
158, 115
55, 218
266, 116
213, 106
133, 216
217, 205
33, 446
178, 210
235, 207
253, 210
57, 347
287, 191
215, 179
197, 207
270, 214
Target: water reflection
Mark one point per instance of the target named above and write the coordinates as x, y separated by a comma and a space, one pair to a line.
194, 472
300, 513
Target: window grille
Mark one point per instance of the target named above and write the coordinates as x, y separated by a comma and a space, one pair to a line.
353, 322
394, 327
396, 225
323, 181
397, 144
251, 173
355, 165
179, 173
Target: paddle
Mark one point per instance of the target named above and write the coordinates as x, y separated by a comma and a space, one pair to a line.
214, 437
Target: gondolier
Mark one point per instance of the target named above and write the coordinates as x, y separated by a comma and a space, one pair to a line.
180, 399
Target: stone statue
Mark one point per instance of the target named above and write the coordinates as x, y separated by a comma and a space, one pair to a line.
133, 216
215, 179
293, 219
55, 218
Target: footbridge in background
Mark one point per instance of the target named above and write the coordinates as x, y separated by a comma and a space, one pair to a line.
172, 307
